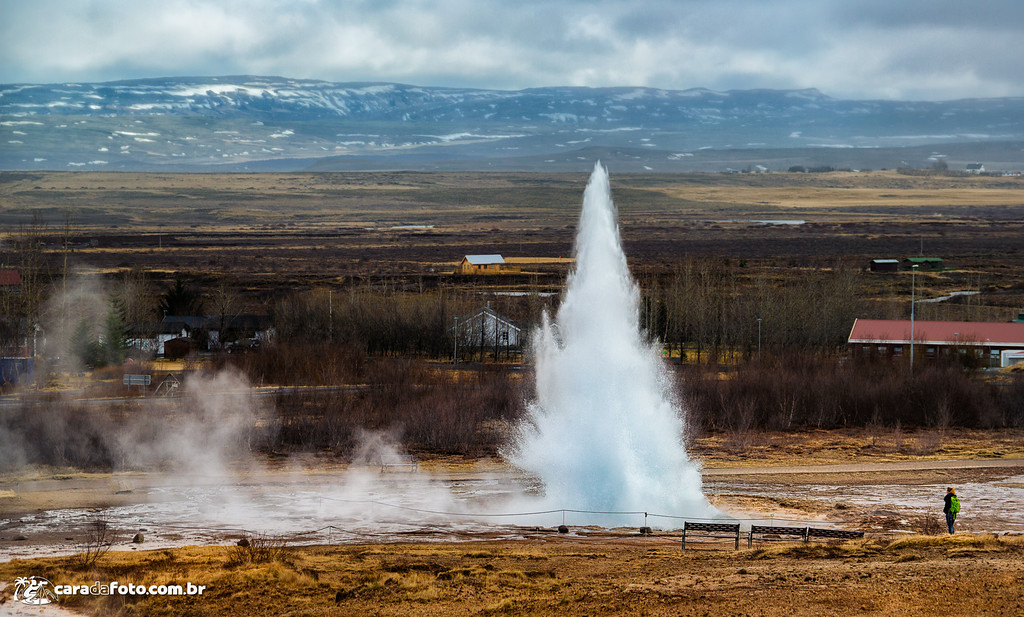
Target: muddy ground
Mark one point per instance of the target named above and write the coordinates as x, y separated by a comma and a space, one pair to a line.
850, 479
54, 515
904, 566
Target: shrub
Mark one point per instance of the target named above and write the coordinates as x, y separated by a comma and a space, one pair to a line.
818, 390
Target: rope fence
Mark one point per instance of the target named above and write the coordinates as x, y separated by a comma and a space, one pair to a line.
333, 529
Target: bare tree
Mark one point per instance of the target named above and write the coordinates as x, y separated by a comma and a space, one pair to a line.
98, 538
225, 304
25, 251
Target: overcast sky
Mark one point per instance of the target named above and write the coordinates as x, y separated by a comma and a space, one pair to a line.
894, 49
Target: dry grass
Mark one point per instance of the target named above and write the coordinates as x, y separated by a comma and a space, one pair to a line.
271, 236
812, 199
539, 260
973, 575
867, 445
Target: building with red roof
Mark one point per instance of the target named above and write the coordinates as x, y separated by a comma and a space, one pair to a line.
10, 280
996, 343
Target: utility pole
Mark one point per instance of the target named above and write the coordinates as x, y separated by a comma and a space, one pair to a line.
455, 358
913, 289
758, 338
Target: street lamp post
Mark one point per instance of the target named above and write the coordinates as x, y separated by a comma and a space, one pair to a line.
913, 290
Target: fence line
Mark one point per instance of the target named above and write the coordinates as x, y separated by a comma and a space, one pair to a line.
463, 515
556, 511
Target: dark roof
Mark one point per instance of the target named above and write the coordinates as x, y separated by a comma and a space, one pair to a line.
154, 328
247, 322
213, 322
191, 321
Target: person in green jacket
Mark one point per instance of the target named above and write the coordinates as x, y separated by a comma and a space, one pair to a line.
951, 507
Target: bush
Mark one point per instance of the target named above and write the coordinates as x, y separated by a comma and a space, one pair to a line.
424, 410
257, 548
798, 390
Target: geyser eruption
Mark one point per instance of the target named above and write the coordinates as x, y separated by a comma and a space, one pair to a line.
605, 432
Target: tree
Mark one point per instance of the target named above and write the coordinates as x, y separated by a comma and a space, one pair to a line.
225, 302
114, 344
107, 348
84, 345
180, 300
133, 299
24, 251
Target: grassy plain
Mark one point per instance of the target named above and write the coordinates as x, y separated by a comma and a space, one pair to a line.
259, 231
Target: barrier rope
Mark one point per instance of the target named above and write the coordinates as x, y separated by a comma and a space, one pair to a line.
458, 515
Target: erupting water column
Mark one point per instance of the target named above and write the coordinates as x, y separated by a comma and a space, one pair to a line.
605, 430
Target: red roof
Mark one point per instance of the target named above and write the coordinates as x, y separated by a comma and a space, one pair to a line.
9, 277
996, 334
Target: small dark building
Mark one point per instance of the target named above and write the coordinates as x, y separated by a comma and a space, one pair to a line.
10, 281
924, 264
178, 348
884, 265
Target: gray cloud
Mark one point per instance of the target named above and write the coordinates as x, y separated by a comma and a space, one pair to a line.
864, 49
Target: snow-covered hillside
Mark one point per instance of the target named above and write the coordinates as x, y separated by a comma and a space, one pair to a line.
278, 123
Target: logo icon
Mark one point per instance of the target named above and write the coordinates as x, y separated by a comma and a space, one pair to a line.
34, 590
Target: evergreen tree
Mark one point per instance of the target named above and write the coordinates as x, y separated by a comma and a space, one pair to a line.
180, 300
84, 345
114, 347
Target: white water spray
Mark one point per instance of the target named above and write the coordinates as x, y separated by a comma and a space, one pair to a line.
605, 431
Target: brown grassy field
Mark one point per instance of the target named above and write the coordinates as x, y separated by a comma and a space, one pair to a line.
258, 231
871, 445
629, 575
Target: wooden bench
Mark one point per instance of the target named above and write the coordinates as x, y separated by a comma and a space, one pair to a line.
833, 534
399, 460
712, 530
771, 530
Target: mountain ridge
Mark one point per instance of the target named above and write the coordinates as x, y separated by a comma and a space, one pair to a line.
229, 122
